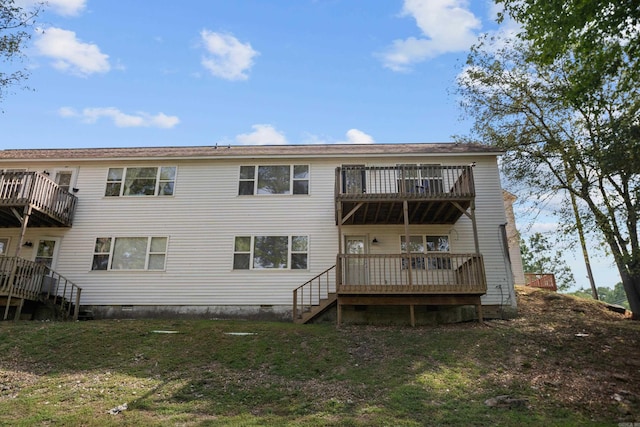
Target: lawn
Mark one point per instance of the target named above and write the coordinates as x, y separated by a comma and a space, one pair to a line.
564, 361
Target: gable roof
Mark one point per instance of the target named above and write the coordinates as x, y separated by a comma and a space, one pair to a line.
249, 151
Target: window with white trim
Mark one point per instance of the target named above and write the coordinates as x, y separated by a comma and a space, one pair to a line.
429, 246
273, 179
4, 245
271, 252
426, 178
129, 253
141, 181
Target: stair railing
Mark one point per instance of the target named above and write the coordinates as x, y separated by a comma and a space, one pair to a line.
311, 292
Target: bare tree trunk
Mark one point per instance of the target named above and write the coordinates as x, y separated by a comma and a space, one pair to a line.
583, 244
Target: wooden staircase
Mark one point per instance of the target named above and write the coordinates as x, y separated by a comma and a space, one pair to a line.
314, 311
315, 296
22, 280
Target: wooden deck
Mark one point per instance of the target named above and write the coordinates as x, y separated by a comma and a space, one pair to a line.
32, 193
393, 279
376, 195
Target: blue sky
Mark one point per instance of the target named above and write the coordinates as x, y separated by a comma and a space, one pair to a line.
205, 72
113, 73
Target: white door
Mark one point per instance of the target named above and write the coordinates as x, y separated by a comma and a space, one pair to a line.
47, 251
356, 268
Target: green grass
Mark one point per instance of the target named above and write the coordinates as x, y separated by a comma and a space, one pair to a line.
312, 375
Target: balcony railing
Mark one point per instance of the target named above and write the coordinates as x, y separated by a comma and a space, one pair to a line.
441, 273
32, 188
407, 181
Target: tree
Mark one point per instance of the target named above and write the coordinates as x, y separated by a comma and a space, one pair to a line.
601, 36
557, 143
615, 295
538, 257
14, 22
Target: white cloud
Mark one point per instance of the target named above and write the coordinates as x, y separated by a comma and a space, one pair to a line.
120, 119
60, 7
446, 26
227, 57
355, 136
70, 54
262, 135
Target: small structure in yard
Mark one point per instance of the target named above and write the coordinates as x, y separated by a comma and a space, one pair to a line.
541, 280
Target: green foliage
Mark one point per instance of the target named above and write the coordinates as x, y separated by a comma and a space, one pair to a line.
538, 256
14, 23
569, 121
615, 295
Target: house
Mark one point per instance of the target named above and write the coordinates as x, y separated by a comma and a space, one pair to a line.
257, 231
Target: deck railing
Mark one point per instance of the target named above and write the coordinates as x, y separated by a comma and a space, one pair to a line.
431, 273
406, 181
22, 188
310, 293
541, 280
21, 278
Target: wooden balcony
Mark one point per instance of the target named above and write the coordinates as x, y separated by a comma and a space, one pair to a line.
376, 195
428, 274
48, 205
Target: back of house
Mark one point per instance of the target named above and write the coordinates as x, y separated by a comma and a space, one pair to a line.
274, 232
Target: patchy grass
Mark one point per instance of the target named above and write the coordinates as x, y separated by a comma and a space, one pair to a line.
565, 361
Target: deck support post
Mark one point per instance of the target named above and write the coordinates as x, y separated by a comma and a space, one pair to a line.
12, 279
339, 312
24, 221
19, 310
479, 312
407, 239
412, 313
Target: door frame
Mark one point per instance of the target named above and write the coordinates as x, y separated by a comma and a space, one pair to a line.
56, 249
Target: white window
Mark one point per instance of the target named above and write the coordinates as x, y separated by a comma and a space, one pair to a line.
63, 179
429, 246
421, 179
144, 181
274, 179
129, 253
4, 245
270, 252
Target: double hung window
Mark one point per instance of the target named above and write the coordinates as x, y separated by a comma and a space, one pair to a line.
4, 245
421, 179
424, 250
141, 181
274, 179
129, 253
270, 252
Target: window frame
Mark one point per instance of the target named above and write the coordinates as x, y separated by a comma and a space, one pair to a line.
5, 247
426, 259
255, 180
158, 187
149, 253
424, 178
251, 253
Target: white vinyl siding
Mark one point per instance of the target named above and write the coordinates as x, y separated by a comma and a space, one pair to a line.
205, 216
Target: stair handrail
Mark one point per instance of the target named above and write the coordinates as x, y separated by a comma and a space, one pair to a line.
68, 298
28, 279
299, 295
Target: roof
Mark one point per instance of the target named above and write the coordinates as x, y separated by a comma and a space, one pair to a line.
249, 151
